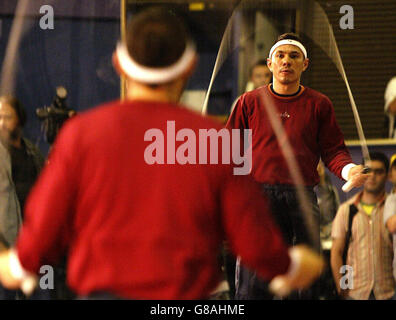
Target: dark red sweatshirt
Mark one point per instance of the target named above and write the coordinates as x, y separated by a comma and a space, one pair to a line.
310, 125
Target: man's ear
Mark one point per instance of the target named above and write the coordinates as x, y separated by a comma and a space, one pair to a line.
305, 64
191, 68
269, 64
116, 64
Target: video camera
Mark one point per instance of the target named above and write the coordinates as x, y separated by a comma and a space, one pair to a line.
55, 115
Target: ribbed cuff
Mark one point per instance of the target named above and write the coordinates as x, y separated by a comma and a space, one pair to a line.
345, 171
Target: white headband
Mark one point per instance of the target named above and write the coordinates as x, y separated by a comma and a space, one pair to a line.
288, 41
154, 75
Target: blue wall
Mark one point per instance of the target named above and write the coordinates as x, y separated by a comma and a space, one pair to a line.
75, 54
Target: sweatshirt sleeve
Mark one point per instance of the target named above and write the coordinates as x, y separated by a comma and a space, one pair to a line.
50, 205
333, 151
239, 118
250, 228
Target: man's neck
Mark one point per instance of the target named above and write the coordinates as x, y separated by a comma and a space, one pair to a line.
164, 93
287, 89
372, 198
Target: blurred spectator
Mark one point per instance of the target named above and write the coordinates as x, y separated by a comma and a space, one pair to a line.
368, 259
22, 164
328, 202
26, 159
390, 106
259, 75
390, 209
10, 212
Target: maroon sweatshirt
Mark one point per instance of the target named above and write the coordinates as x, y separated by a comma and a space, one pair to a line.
137, 230
310, 125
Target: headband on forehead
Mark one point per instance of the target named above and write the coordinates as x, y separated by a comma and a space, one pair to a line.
154, 75
288, 41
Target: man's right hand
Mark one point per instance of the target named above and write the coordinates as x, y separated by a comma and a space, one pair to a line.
356, 178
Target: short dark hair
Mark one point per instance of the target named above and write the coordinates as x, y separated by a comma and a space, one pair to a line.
289, 35
379, 156
261, 62
17, 106
156, 37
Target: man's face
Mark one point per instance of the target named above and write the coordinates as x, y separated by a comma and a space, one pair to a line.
392, 175
261, 76
377, 178
9, 124
287, 64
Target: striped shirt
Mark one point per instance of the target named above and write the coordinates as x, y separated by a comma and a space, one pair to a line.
370, 251
389, 211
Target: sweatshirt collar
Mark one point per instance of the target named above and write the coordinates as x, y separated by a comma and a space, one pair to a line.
286, 97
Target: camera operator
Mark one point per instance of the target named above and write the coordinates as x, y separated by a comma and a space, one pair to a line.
26, 163
54, 116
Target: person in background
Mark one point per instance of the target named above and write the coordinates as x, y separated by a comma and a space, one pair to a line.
328, 201
259, 75
26, 162
390, 106
390, 208
365, 252
26, 159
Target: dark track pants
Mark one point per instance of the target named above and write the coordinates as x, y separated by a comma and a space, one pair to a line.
287, 213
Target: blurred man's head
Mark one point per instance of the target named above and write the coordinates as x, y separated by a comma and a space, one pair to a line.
260, 75
12, 119
376, 181
158, 50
